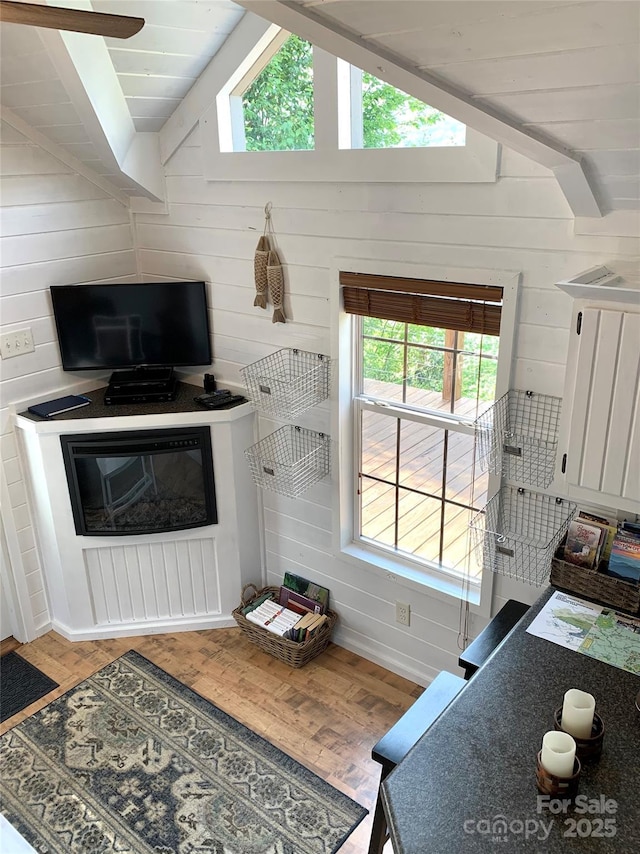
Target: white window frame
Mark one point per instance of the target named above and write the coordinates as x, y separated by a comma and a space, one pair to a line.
333, 158
230, 106
394, 567
361, 402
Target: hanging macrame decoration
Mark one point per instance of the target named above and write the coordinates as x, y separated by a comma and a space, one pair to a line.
260, 270
268, 273
275, 278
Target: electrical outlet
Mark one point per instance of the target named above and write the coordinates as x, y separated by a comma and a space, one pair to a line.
403, 613
16, 343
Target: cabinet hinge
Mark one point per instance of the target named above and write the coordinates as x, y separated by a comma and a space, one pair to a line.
564, 464
579, 323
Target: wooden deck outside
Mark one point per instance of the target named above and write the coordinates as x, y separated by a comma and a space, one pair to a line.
423, 516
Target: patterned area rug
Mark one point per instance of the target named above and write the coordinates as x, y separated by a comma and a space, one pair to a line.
131, 761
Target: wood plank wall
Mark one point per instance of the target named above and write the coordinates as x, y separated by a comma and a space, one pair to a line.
57, 228
521, 223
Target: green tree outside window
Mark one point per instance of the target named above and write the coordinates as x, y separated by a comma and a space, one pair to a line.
278, 108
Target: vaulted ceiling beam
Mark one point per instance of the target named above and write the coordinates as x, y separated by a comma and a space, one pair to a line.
87, 73
393, 69
61, 154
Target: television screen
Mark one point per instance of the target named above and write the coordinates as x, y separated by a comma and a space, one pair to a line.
162, 324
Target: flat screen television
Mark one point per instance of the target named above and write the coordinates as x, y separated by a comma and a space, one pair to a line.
132, 326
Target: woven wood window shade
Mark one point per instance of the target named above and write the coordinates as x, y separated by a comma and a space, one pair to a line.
446, 305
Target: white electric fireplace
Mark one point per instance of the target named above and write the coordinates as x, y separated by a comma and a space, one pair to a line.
140, 481
145, 523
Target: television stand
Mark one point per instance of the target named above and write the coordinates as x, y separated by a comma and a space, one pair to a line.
146, 385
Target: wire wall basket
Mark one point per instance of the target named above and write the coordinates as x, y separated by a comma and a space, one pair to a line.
290, 460
519, 531
288, 382
517, 437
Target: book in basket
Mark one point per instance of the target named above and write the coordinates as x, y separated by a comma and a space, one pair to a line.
624, 562
304, 587
610, 529
297, 602
273, 617
582, 547
296, 651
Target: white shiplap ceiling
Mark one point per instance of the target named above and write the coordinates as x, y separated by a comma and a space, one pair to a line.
157, 67
564, 71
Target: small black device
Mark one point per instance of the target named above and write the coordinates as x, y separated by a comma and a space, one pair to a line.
220, 399
140, 392
209, 382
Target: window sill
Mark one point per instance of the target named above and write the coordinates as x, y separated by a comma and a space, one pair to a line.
420, 581
475, 162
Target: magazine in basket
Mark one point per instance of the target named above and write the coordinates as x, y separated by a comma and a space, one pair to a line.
583, 543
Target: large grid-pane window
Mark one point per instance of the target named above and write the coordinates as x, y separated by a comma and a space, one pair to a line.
419, 386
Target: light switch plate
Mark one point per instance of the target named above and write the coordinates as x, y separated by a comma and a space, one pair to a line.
16, 343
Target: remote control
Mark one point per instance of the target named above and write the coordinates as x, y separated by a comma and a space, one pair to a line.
219, 399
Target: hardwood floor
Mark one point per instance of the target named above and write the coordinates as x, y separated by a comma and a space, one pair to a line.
327, 714
8, 645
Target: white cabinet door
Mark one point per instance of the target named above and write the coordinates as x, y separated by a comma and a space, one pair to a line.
603, 449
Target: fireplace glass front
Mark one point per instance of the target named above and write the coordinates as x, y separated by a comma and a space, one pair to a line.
140, 482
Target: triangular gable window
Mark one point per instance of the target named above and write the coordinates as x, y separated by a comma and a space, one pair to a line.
385, 117
272, 108
277, 106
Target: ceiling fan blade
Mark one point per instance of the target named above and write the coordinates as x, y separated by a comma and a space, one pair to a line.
76, 20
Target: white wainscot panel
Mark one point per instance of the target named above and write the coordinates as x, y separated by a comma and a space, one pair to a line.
173, 579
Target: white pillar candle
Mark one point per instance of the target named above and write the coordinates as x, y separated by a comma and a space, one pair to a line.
577, 713
558, 753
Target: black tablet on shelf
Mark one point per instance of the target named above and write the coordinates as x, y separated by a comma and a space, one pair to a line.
59, 405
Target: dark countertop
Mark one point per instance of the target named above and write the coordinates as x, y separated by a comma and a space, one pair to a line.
478, 760
183, 402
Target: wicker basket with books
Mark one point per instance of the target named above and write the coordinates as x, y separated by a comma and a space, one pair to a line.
291, 652
600, 561
596, 585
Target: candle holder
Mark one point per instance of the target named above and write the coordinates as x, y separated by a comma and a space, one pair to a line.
587, 749
550, 784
